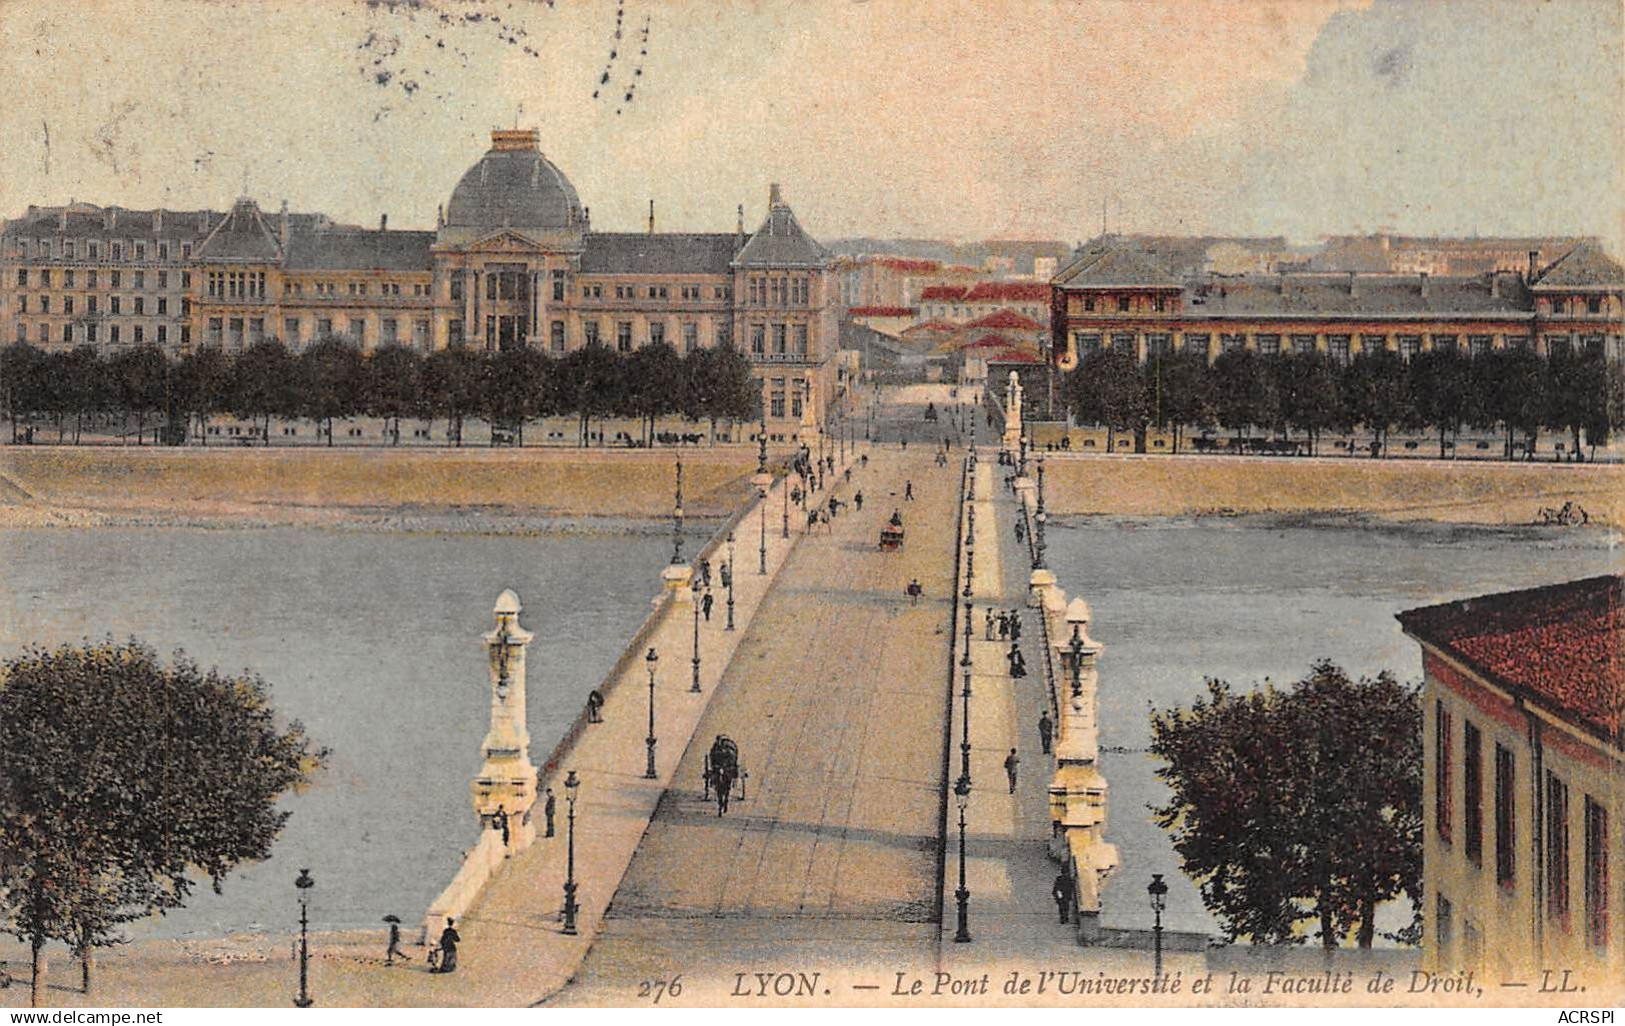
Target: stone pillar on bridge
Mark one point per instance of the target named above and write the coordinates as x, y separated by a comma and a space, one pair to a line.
1012, 414
1077, 793
506, 785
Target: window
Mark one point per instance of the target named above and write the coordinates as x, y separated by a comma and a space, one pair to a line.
1472, 794
235, 326
1479, 345
724, 334
290, 330
589, 332
67, 333
95, 251
454, 331
68, 279
758, 339
1196, 345
45, 279
1158, 345
558, 286
1123, 340
117, 250
68, 250
358, 329
691, 336
1122, 304
389, 331
113, 279
324, 327
1557, 849
1594, 305
90, 332
623, 336
1089, 304
1338, 347
90, 279
22, 304
141, 251
186, 251
1161, 304
1409, 346
163, 251
45, 304
22, 277
1505, 825
140, 305
140, 279
1554, 344
1303, 345
163, 334
556, 336
216, 326
1596, 873
163, 306
1444, 926
778, 404
186, 279
140, 333
801, 340
1085, 344
90, 304
779, 335
657, 333
186, 335
1268, 345
22, 333
457, 289
1232, 343
67, 304
1442, 755
1444, 343
420, 333
163, 279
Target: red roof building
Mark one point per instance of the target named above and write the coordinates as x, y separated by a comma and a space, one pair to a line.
1524, 780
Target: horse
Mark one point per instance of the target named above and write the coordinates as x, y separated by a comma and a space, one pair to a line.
721, 770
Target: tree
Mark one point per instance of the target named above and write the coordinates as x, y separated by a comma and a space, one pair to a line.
452, 380
1439, 391
122, 779
1378, 394
1578, 395
393, 386
1240, 391
1508, 386
517, 388
140, 384
654, 384
262, 383
1185, 391
1106, 388
1295, 805
23, 383
1309, 395
332, 381
85, 380
735, 394
203, 385
591, 380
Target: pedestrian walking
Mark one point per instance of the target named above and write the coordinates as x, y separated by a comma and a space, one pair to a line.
1004, 626
914, 592
449, 939
499, 821
548, 809
726, 575
394, 949
595, 706
834, 507
1063, 892
705, 606
1015, 625
989, 623
863, 461
848, 475
908, 491
1046, 731
1011, 765
705, 573
1021, 530
1018, 665
857, 502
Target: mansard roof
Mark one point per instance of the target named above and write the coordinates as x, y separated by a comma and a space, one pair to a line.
85, 220
662, 253
1585, 266
1288, 295
242, 235
359, 249
1108, 263
781, 241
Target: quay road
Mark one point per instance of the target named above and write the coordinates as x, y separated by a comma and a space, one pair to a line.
837, 699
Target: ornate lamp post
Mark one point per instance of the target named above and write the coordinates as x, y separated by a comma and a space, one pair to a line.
1075, 664
964, 697
1038, 539
572, 785
696, 688
730, 580
970, 569
970, 525
677, 519
1159, 901
650, 661
962, 895
303, 884
762, 479
786, 531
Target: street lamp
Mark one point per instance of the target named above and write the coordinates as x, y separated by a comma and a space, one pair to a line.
650, 660
677, 519
964, 712
962, 799
696, 688
1038, 539
303, 883
572, 784
970, 570
761, 500
730, 580
970, 525
1076, 646
1159, 901
786, 533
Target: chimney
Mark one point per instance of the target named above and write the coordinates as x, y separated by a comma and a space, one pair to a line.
739, 225
62, 219
774, 197
1534, 264
1495, 284
282, 227
107, 219
383, 222
586, 217
651, 217
439, 216
1424, 277
1354, 285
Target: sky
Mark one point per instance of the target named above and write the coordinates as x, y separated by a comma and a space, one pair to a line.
882, 118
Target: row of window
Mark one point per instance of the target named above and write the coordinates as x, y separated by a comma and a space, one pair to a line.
686, 293
1339, 347
92, 249
1575, 306
356, 288
115, 279
774, 290
784, 337
1557, 822
776, 396
90, 333
116, 305
236, 284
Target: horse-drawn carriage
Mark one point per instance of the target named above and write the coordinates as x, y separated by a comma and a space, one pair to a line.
723, 770
891, 535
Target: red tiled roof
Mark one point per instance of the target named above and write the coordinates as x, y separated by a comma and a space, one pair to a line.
882, 311
931, 326
1009, 292
951, 293
908, 266
1007, 319
1563, 644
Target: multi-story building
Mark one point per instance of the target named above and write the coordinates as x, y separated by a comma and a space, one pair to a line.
512, 261
1524, 782
961, 303
1117, 295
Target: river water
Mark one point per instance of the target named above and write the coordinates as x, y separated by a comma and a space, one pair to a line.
1179, 599
373, 641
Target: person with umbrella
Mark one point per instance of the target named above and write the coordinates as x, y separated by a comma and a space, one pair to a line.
394, 948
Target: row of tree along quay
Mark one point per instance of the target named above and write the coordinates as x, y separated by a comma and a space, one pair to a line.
333, 380
1298, 804
1515, 391
125, 781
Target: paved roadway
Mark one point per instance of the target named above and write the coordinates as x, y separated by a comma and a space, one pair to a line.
837, 699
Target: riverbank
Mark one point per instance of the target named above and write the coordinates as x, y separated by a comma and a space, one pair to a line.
511, 491
1441, 491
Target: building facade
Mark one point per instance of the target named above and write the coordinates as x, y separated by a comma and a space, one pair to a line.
1118, 295
512, 261
1524, 781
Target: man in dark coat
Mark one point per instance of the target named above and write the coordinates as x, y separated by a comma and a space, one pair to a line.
449, 940
1063, 894
499, 821
705, 606
548, 809
1015, 625
1011, 764
1046, 730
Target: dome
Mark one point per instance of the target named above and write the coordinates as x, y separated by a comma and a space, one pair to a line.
514, 186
